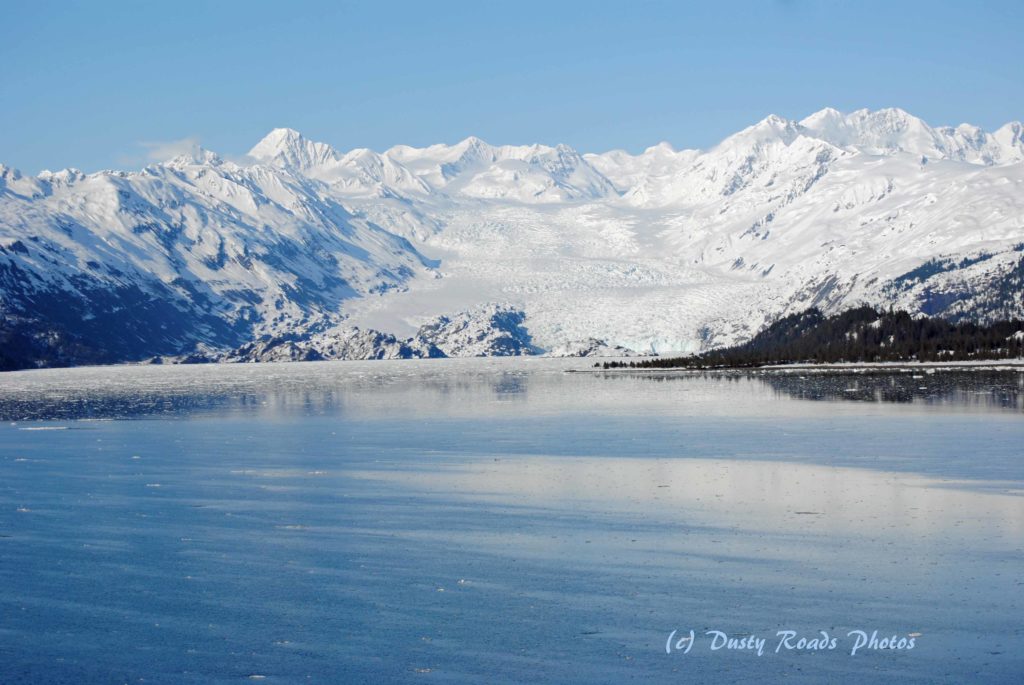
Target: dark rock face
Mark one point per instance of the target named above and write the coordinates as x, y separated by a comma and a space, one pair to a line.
26, 344
351, 343
495, 330
591, 347
492, 331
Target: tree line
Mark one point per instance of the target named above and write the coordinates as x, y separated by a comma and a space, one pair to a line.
861, 335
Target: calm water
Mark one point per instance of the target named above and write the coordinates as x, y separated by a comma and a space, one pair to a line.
501, 521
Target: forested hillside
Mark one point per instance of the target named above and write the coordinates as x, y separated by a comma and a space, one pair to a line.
858, 335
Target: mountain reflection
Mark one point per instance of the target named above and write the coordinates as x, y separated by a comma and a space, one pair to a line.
980, 389
996, 389
482, 388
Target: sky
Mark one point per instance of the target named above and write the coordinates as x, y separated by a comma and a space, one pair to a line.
118, 84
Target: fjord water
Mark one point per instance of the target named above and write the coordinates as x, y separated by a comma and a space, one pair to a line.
502, 521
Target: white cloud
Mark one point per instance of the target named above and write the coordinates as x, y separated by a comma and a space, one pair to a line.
161, 151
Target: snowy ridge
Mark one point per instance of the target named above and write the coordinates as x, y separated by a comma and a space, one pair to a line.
343, 344
660, 251
194, 250
528, 173
591, 347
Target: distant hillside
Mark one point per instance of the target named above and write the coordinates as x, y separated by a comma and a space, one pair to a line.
858, 335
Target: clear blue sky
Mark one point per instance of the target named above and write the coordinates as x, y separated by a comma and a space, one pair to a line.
98, 84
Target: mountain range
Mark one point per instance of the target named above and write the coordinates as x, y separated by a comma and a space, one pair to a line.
473, 248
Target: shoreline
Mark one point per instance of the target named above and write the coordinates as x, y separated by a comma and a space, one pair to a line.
855, 367
988, 365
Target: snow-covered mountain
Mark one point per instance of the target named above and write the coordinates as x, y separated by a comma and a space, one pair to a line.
664, 250
196, 250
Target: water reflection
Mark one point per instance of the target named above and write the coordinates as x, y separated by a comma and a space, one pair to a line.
994, 389
362, 522
478, 388
762, 496
987, 389
270, 389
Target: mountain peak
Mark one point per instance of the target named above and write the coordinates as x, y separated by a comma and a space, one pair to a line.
9, 173
1012, 132
68, 175
664, 147
884, 123
197, 155
288, 148
471, 150
827, 112
827, 117
891, 113
277, 140
772, 128
773, 120
471, 144
888, 129
284, 133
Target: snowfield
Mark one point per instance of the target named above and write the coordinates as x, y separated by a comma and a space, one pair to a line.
664, 251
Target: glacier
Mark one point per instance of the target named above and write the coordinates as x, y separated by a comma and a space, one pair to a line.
298, 250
